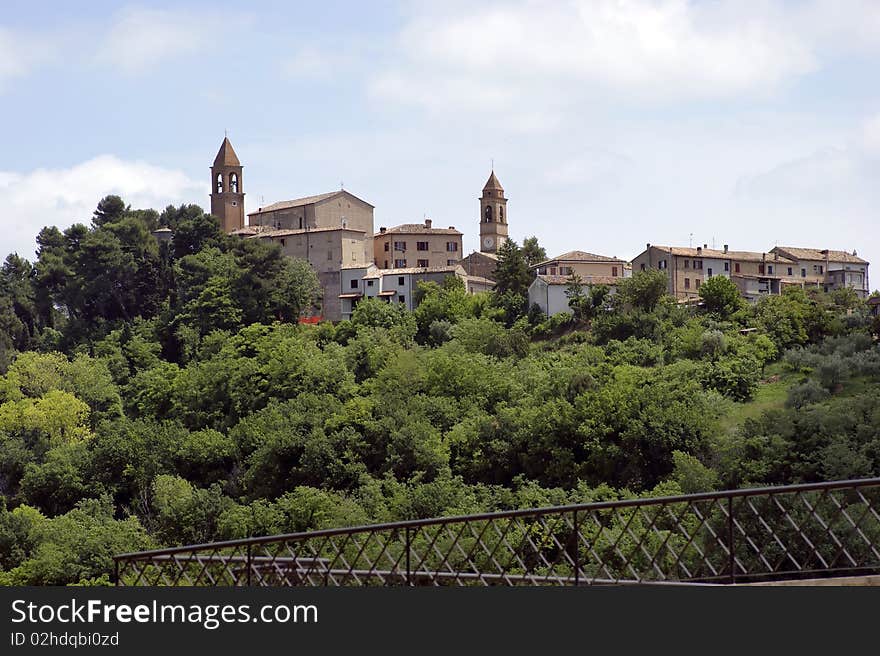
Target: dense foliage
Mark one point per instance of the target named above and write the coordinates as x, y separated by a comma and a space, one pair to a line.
155, 394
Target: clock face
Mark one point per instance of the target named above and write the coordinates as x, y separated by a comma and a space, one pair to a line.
488, 241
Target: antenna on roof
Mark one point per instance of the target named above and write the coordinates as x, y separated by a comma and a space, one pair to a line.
492, 163
225, 133
691, 242
341, 185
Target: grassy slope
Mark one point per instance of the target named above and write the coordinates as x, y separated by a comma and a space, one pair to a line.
772, 392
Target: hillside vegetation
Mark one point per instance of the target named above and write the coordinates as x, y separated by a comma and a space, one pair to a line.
158, 395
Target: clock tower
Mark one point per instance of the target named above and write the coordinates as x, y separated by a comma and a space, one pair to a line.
493, 216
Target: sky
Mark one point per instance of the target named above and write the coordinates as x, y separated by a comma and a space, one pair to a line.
611, 123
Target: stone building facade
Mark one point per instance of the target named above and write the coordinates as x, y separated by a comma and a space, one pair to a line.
416, 245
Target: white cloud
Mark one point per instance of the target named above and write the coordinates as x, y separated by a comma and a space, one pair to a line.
139, 39
313, 62
65, 196
538, 54
871, 135
20, 54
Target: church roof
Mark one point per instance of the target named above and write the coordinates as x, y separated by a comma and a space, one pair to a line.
226, 155
492, 183
579, 256
307, 200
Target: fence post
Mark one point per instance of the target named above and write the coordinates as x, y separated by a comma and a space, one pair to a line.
408, 548
249, 564
577, 551
730, 545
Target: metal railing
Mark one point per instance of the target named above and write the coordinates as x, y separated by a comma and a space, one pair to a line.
800, 531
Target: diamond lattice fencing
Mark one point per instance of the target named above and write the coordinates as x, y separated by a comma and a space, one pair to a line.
802, 531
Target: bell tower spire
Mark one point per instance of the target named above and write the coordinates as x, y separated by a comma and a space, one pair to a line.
493, 215
227, 188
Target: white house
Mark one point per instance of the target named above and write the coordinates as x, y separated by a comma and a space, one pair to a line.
548, 292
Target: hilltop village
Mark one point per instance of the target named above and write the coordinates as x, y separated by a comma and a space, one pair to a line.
335, 233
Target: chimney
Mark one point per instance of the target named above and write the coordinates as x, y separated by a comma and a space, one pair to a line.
705, 245
452, 227
725, 248
382, 230
855, 254
699, 250
648, 246
428, 223
763, 257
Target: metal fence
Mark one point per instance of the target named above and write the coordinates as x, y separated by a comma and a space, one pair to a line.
800, 531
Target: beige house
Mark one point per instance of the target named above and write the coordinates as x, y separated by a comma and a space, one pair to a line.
828, 269
583, 264
418, 245
755, 273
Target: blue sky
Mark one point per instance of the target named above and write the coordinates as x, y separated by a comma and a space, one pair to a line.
611, 123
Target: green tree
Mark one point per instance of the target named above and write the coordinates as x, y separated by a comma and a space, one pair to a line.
644, 289
533, 252
721, 296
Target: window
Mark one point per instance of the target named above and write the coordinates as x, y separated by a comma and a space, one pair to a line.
401, 299
329, 255
687, 264
710, 272
370, 283
400, 264
451, 262
451, 246
736, 267
233, 183
727, 266
698, 264
386, 265
421, 245
613, 272
501, 215
821, 269
698, 283
422, 263
219, 183
400, 245
353, 284
387, 246
564, 271
552, 271
789, 270
770, 269
760, 268
400, 281
643, 266
488, 214
803, 273
687, 283
301, 225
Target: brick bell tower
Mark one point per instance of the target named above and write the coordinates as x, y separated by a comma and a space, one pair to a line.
227, 190
493, 216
